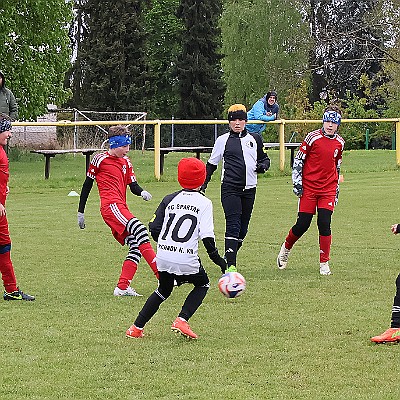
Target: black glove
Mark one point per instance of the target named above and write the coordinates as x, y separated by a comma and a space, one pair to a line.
298, 189
222, 264
260, 169
217, 259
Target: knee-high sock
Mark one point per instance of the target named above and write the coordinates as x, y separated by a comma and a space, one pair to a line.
128, 271
231, 247
150, 256
395, 323
7, 273
291, 239
193, 302
324, 248
149, 309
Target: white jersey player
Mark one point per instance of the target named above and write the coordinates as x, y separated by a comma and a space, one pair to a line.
180, 221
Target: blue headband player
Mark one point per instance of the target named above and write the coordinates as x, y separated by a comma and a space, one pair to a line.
5, 125
119, 141
332, 116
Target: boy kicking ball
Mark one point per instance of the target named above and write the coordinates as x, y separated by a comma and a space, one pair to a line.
113, 173
180, 221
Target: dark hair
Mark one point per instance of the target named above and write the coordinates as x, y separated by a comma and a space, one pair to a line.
4, 116
333, 107
118, 130
272, 93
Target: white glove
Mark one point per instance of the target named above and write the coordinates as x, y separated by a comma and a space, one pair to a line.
146, 195
81, 220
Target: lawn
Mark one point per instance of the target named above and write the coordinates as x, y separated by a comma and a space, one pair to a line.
292, 335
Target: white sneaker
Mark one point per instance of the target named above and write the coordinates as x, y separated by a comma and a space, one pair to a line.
127, 292
324, 268
283, 256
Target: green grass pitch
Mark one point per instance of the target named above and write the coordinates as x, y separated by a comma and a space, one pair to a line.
292, 335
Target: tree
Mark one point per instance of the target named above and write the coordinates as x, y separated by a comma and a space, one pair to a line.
163, 29
111, 71
391, 11
348, 42
199, 73
35, 52
265, 44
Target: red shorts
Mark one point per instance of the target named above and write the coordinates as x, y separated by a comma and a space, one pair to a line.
116, 216
309, 202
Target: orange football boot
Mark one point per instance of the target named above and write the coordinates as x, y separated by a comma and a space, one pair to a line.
390, 335
134, 332
183, 328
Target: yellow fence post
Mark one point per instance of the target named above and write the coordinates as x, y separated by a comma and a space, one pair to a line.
157, 141
282, 145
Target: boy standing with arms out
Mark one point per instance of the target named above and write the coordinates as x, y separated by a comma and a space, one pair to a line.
11, 292
243, 157
315, 176
181, 219
113, 172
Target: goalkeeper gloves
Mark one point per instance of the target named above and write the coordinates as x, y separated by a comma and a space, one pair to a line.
298, 189
260, 169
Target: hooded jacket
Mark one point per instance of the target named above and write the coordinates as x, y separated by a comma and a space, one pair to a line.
8, 104
259, 111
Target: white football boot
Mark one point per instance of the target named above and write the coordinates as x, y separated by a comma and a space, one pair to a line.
324, 268
127, 292
283, 256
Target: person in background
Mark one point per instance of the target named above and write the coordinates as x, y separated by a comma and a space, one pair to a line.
113, 172
180, 221
243, 157
393, 333
11, 289
8, 104
264, 109
315, 175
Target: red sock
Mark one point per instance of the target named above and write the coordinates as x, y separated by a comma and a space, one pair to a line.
150, 256
291, 239
127, 273
325, 248
7, 273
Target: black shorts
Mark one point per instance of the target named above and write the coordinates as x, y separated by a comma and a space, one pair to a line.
198, 279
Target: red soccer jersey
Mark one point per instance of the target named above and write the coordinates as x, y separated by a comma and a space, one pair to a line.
321, 154
112, 175
4, 175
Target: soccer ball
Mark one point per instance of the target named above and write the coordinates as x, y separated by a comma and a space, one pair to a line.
232, 284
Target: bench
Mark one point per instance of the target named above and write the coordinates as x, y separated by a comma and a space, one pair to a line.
290, 146
52, 153
192, 149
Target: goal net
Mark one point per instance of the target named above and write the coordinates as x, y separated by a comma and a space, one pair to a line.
95, 136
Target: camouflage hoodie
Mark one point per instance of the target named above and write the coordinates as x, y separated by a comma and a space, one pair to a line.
8, 104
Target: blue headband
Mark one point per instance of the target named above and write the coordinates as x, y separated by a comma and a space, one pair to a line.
5, 125
331, 116
119, 141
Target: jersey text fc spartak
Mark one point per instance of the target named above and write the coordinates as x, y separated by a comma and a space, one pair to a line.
321, 155
112, 175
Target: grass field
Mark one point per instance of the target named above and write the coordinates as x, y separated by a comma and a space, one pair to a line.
292, 335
